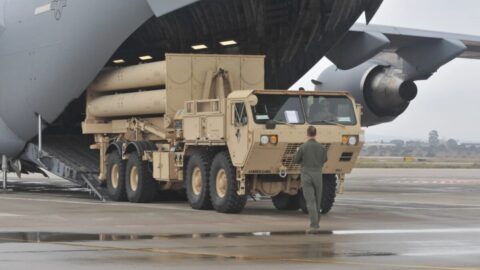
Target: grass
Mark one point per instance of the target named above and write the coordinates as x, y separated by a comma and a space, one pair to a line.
429, 164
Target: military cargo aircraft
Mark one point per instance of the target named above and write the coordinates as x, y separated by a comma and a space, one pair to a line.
51, 50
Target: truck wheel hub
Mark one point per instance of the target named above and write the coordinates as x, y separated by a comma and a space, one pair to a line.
114, 176
197, 181
221, 183
134, 178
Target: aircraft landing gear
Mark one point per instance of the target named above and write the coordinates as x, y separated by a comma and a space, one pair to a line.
4, 171
9, 165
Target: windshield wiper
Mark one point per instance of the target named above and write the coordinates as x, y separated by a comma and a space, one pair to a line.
329, 123
285, 123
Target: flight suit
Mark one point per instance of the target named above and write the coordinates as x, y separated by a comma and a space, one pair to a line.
312, 156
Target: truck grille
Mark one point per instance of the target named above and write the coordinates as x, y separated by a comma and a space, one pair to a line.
346, 157
289, 154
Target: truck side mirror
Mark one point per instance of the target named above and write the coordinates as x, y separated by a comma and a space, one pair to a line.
244, 121
270, 124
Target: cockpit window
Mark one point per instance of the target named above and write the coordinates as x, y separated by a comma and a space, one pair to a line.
280, 109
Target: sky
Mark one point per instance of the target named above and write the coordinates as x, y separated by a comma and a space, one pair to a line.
450, 100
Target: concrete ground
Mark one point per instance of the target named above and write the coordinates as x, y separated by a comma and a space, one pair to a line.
387, 219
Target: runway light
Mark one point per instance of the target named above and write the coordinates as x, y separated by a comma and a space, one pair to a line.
119, 61
145, 58
199, 47
228, 42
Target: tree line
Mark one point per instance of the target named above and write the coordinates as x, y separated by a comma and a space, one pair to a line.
432, 147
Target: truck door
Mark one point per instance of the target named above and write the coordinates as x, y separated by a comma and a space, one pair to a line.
238, 133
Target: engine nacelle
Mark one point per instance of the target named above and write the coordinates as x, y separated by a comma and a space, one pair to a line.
381, 90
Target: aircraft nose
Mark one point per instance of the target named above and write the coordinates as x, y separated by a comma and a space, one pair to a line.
10, 144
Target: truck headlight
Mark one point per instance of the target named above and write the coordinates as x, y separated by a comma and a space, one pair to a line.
350, 140
264, 140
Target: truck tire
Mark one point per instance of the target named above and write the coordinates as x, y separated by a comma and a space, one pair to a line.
223, 186
329, 192
196, 184
285, 202
140, 185
116, 169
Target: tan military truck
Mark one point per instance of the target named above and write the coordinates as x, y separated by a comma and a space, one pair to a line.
203, 123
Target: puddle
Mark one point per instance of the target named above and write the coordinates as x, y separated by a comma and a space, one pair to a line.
323, 249
48, 237
369, 254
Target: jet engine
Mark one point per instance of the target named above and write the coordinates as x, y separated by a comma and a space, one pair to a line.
380, 89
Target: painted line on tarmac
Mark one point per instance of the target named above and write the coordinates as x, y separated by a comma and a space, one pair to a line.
151, 206
334, 261
428, 203
444, 253
9, 215
437, 207
408, 231
361, 232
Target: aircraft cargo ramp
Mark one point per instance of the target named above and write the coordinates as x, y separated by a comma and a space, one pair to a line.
69, 157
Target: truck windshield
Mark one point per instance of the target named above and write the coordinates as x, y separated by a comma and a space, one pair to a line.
279, 108
324, 110
318, 110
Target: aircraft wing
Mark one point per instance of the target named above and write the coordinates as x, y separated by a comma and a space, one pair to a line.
364, 42
379, 64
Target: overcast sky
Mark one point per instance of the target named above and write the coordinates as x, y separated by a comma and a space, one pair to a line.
450, 100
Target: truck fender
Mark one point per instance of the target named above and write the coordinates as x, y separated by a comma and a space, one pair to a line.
140, 147
116, 146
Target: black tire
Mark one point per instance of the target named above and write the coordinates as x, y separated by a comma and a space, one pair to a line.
286, 202
145, 189
198, 193
329, 192
229, 201
116, 168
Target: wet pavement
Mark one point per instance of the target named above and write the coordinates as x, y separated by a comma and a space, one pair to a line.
387, 219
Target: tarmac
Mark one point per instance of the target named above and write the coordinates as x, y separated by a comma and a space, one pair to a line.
386, 219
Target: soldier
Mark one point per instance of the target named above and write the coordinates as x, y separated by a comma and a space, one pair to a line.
312, 156
320, 111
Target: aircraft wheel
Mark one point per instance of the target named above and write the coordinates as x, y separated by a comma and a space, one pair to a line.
223, 186
140, 185
116, 168
196, 183
284, 201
